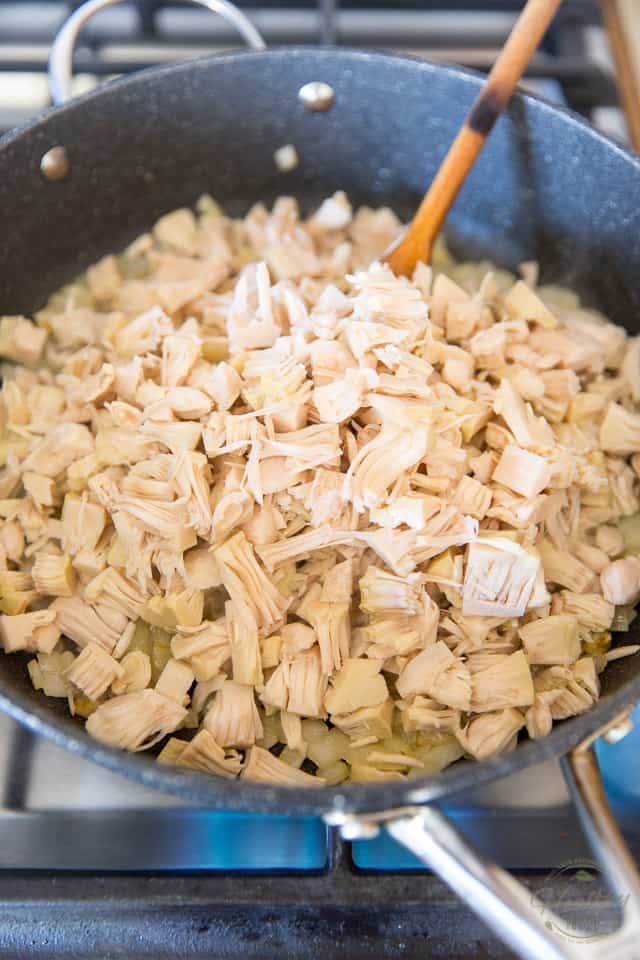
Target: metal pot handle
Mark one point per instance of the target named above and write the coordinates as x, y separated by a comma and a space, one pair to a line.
61, 56
502, 902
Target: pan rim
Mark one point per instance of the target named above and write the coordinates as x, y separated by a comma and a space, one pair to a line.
215, 792
319, 52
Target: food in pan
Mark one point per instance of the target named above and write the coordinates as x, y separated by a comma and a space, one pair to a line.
298, 520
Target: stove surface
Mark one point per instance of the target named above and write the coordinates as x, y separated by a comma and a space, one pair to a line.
94, 867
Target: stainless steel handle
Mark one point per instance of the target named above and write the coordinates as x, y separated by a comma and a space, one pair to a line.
587, 791
502, 902
61, 56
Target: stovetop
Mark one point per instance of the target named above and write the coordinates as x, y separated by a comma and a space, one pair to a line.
92, 865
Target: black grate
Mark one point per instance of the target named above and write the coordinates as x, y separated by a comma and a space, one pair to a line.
336, 914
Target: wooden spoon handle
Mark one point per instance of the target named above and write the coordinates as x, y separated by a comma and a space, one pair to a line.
620, 19
521, 44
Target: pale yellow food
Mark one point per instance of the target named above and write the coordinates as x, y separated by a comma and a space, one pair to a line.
301, 521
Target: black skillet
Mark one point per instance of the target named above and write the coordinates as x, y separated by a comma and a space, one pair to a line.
547, 187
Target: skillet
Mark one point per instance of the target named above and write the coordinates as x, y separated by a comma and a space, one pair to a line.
547, 187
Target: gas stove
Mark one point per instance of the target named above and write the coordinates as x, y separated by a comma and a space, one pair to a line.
94, 866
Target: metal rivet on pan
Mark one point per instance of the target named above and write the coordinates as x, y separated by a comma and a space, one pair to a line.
619, 731
55, 164
317, 96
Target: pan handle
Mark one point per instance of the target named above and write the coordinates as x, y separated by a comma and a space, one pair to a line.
502, 902
61, 56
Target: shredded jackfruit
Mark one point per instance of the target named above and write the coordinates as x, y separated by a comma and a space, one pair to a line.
256, 488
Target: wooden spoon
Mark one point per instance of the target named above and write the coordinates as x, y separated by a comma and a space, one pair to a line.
416, 244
